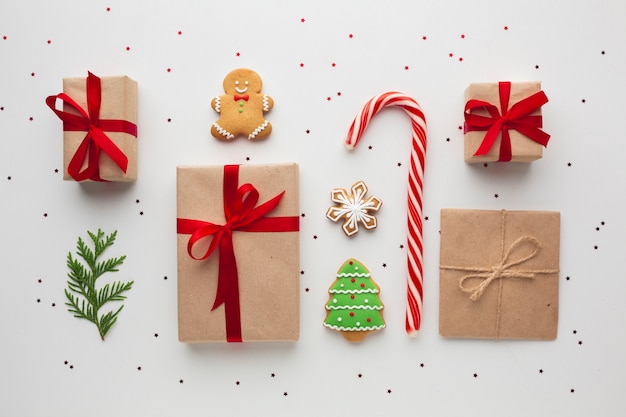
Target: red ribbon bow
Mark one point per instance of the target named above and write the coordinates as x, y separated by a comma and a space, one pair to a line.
516, 118
243, 97
95, 140
242, 214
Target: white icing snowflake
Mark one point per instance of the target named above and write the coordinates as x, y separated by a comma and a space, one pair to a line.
353, 208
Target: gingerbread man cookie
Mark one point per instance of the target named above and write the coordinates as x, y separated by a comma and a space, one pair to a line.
241, 108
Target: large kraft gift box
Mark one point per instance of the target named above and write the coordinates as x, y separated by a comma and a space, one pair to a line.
499, 274
259, 299
111, 110
509, 110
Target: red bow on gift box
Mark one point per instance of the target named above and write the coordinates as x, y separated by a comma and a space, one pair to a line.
516, 118
95, 140
242, 214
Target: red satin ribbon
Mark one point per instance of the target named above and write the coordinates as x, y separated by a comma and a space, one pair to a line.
516, 118
244, 97
95, 140
242, 214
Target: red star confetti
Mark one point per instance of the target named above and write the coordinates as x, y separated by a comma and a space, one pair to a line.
406, 67
128, 48
351, 36
49, 41
506, 28
180, 32
302, 20
462, 36
169, 70
301, 64
4, 37
108, 9
424, 38
237, 54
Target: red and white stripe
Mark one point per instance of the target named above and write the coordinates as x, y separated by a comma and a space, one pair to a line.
415, 291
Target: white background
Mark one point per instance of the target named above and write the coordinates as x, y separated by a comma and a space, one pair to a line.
320, 61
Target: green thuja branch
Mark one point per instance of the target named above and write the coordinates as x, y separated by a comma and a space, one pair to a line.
84, 300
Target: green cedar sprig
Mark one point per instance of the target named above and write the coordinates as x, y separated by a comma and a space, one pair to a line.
88, 300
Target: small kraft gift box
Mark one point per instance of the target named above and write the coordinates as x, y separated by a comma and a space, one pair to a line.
503, 122
238, 253
99, 128
499, 274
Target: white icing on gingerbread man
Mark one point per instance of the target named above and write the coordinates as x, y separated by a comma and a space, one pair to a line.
241, 108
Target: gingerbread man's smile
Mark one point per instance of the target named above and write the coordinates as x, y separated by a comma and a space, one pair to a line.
241, 90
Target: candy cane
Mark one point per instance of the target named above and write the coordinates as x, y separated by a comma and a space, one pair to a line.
415, 292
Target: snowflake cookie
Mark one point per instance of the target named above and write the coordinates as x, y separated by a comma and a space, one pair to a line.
353, 208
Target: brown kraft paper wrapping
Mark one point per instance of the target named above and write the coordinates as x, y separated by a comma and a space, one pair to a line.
518, 302
119, 102
267, 262
523, 149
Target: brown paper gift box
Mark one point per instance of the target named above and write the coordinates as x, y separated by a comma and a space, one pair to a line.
523, 149
518, 302
267, 262
119, 102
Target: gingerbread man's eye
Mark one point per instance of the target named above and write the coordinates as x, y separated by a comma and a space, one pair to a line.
246, 83
236, 82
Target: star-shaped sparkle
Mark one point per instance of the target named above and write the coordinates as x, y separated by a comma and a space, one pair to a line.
354, 208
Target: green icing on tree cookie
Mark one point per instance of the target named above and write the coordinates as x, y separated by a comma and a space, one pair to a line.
354, 304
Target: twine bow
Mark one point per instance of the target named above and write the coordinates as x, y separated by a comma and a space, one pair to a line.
500, 270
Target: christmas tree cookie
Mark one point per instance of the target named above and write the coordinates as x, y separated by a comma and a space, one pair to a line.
354, 307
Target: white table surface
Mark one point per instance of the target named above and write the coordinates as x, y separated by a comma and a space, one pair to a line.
320, 61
